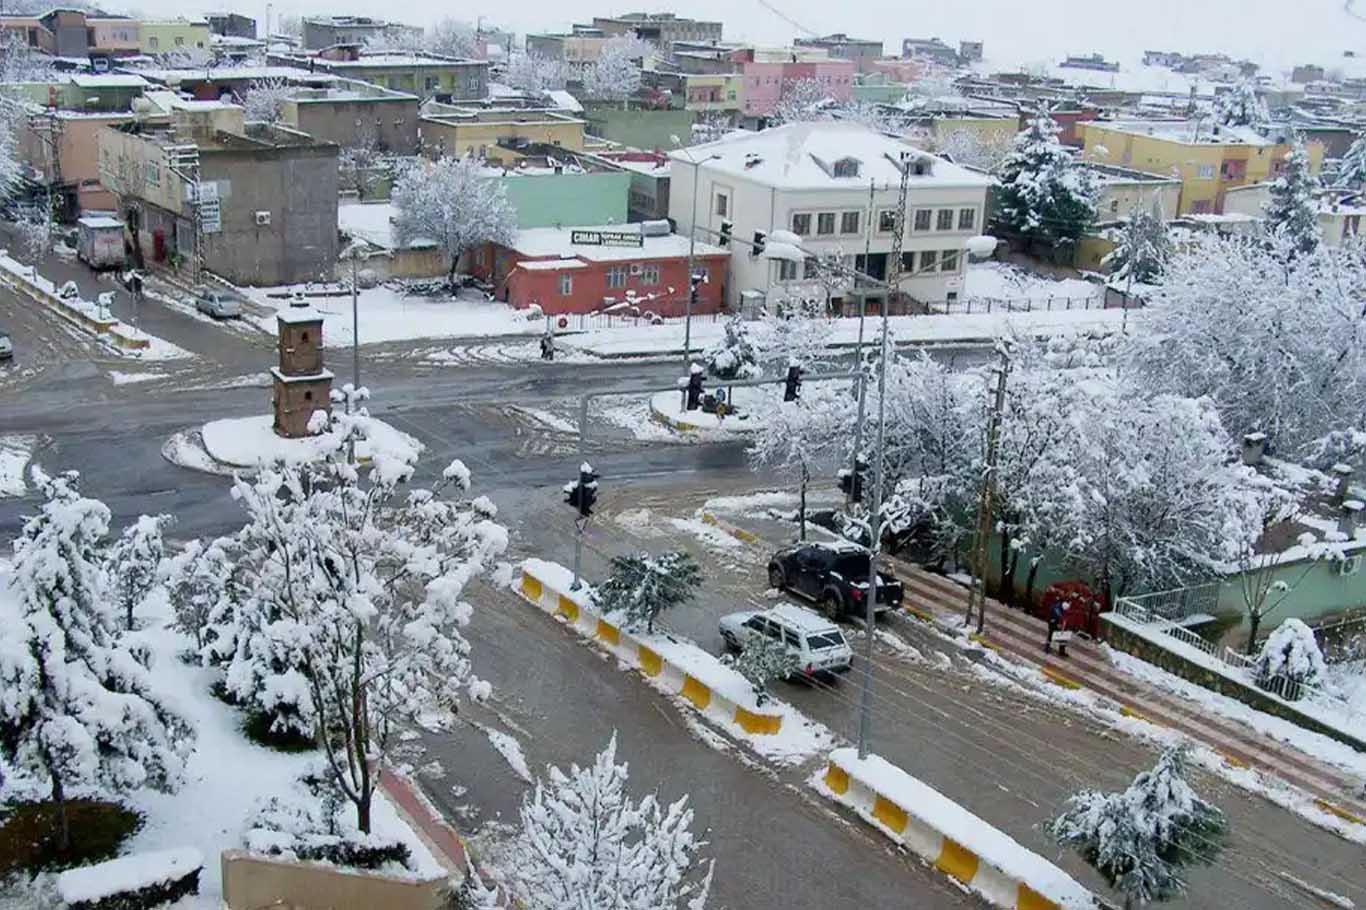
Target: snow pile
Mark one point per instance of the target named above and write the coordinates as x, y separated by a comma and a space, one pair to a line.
999, 281
127, 873
250, 442
15, 453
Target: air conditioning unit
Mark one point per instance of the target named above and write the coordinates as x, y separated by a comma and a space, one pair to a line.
1350, 565
636, 268
262, 219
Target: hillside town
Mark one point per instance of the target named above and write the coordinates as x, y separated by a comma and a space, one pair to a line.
634, 466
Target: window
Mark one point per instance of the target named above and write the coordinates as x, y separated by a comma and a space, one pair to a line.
967, 219
907, 263
849, 223
722, 204
948, 261
566, 285
153, 173
801, 224
1206, 172
308, 396
810, 268
945, 220
846, 167
922, 219
650, 274
928, 260
1114, 206
154, 42
825, 223
616, 276
886, 221
787, 271
1201, 207
431, 83
179, 41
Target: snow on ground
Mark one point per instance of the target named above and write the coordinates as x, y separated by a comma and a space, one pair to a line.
387, 314
548, 419
999, 281
1349, 680
249, 442
507, 745
186, 450
15, 453
710, 535
118, 377
752, 503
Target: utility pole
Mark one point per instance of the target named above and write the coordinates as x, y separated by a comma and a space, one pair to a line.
985, 500
355, 323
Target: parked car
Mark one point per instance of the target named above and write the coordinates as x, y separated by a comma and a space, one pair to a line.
6, 347
816, 643
834, 576
216, 302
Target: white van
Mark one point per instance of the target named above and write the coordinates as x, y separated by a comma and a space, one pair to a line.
816, 643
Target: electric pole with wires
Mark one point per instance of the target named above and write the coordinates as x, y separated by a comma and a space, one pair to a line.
977, 594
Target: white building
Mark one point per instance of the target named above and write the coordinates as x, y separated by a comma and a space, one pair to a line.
814, 179
1340, 211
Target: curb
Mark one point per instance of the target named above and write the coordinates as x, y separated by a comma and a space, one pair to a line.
110, 330
625, 647
915, 828
684, 426
433, 830
740, 534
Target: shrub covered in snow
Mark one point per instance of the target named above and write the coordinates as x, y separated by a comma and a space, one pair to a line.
134, 562
308, 825
1291, 653
734, 356
642, 586
1291, 208
762, 661
137, 882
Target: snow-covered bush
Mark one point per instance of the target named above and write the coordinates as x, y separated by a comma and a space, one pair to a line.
584, 842
734, 356
264, 100
1290, 653
134, 562
1240, 106
642, 586
79, 711
1142, 840
761, 662
199, 589
308, 824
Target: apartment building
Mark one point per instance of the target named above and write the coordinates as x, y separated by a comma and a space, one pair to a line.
327, 31
347, 111
814, 179
861, 51
496, 133
577, 49
663, 29
422, 74
161, 36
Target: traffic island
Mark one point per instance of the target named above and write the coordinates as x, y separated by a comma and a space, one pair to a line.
251, 442
667, 408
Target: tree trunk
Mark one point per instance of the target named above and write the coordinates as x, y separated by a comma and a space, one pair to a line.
801, 533
450, 276
63, 822
1032, 577
1254, 622
130, 615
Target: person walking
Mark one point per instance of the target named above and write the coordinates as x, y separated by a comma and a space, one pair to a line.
1055, 614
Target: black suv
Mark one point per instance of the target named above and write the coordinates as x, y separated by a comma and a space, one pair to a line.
834, 576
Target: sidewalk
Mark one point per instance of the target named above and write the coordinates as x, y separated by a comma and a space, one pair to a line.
1019, 637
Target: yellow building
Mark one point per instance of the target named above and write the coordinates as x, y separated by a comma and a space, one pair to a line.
714, 92
161, 36
1208, 159
495, 134
421, 74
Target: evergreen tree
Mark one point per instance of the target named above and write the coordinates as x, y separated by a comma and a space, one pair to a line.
762, 661
643, 586
734, 356
1144, 247
1352, 168
1291, 653
1240, 106
1292, 211
1043, 194
1142, 839
78, 711
134, 562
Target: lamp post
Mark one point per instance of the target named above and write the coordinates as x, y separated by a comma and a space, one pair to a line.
692, 248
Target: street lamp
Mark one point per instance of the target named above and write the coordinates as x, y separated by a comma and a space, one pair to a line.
692, 247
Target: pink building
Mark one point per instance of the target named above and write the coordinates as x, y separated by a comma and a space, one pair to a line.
765, 73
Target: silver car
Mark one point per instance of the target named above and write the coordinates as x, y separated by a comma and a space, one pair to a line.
6, 347
216, 302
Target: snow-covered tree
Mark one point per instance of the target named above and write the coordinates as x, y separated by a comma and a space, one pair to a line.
761, 662
264, 99
198, 583
535, 73
615, 75
641, 586
1292, 209
473, 894
11, 167
33, 221
135, 561
1144, 247
796, 328
801, 100
451, 203
1278, 342
21, 63
585, 843
709, 126
1043, 195
361, 164
799, 434
1290, 653
974, 148
452, 38
1240, 106
78, 712
734, 356
350, 606
1351, 172
1142, 839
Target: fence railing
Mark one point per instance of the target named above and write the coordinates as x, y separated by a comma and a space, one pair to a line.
966, 306
1178, 603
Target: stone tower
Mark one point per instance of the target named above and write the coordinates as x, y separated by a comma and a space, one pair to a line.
302, 386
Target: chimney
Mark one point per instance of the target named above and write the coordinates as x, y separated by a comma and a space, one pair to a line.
1254, 447
1343, 472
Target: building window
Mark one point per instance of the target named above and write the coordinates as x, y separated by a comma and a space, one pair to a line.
1206, 172
1201, 207
825, 223
616, 276
153, 173
922, 219
849, 223
967, 219
566, 285
945, 220
154, 42
431, 83
886, 221
722, 204
787, 271
948, 261
1114, 206
929, 259
179, 41
810, 268
650, 274
801, 224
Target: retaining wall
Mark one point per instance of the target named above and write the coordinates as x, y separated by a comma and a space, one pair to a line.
110, 330
253, 882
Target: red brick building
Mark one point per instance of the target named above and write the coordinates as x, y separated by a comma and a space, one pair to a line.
589, 269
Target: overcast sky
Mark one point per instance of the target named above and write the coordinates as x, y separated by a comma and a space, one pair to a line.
1276, 33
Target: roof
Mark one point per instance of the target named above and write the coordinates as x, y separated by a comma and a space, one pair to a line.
1189, 132
802, 156
219, 73
800, 618
108, 80
393, 60
564, 101
297, 314
99, 221
550, 242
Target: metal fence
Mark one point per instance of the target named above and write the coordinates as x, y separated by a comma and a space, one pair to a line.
1178, 603
966, 306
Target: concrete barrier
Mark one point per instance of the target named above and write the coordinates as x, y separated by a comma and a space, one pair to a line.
740, 534
683, 670
110, 330
254, 882
955, 841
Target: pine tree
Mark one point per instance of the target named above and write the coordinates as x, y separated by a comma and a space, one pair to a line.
1292, 212
1144, 247
734, 356
763, 661
643, 586
1240, 106
1142, 839
78, 710
1043, 194
1351, 171
135, 561
1291, 653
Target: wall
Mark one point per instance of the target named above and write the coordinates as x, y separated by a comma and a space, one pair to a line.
116, 35
1117, 199
332, 120
252, 882
639, 128
463, 80
161, 37
456, 138
552, 200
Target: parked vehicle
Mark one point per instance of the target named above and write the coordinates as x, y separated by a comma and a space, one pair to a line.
834, 576
6, 347
817, 644
99, 242
216, 302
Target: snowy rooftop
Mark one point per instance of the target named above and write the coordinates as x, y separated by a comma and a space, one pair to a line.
189, 74
395, 60
99, 221
804, 156
563, 100
108, 80
372, 222
1187, 131
549, 242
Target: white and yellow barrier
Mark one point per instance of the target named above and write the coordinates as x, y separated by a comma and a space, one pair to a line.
683, 670
111, 330
955, 841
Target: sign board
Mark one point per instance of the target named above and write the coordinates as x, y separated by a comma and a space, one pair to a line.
206, 192
606, 238
210, 217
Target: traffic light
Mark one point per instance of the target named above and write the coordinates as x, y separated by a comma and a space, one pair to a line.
583, 493
760, 239
851, 482
792, 385
726, 229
